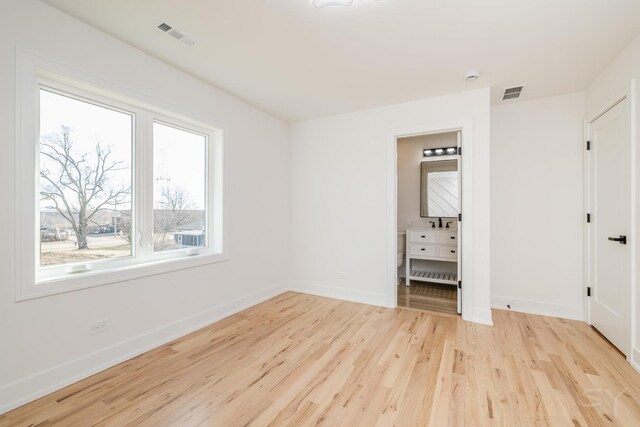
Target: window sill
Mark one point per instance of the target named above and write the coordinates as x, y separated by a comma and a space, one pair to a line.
90, 279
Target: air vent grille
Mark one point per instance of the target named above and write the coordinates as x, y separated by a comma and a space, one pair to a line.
512, 92
176, 34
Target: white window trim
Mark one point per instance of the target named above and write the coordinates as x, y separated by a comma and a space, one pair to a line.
32, 71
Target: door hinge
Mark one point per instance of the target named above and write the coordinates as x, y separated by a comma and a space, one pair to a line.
588, 291
588, 145
459, 284
460, 217
459, 151
588, 217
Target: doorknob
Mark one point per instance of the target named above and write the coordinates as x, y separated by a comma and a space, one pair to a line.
622, 239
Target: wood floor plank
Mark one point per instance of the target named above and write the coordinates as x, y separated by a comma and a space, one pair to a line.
428, 296
302, 360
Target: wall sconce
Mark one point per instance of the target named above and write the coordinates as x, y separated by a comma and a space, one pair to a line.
449, 151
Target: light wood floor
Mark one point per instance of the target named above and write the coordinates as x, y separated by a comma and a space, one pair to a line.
304, 360
428, 296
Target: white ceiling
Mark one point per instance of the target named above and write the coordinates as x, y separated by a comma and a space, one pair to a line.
298, 62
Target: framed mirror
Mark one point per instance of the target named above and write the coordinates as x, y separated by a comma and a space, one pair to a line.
439, 189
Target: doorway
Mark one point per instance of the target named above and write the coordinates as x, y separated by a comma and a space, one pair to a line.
609, 224
428, 188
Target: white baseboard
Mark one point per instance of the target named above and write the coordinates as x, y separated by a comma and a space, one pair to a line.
482, 316
634, 360
35, 386
340, 293
479, 316
573, 312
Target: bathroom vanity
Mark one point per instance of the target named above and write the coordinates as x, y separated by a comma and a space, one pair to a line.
434, 244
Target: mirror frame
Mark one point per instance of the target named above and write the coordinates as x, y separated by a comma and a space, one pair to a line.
440, 165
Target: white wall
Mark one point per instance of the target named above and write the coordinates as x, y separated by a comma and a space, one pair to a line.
44, 342
410, 157
614, 82
340, 198
611, 85
537, 206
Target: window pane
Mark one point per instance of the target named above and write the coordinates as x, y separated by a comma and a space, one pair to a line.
179, 194
85, 181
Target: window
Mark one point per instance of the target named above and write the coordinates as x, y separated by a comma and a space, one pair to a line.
179, 196
85, 180
121, 189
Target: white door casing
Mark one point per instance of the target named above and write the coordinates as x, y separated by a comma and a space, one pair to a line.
459, 293
466, 227
610, 209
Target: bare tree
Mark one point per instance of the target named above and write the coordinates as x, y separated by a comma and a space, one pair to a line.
125, 225
79, 184
175, 209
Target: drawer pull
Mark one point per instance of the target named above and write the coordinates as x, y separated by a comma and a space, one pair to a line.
453, 252
423, 237
453, 237
422, 249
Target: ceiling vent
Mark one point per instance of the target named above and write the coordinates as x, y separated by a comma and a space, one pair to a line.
176, 34
512, 93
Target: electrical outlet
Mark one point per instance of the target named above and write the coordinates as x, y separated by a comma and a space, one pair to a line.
98, 327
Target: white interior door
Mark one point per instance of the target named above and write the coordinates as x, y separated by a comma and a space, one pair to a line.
459, 273
610, 187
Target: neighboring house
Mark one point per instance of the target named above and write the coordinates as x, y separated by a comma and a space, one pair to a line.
189, 238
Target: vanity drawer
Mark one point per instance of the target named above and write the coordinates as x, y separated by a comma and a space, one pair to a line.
422, 236
448, 252
422, 250
447, 237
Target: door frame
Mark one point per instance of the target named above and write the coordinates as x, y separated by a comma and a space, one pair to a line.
588, 235
463, 126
